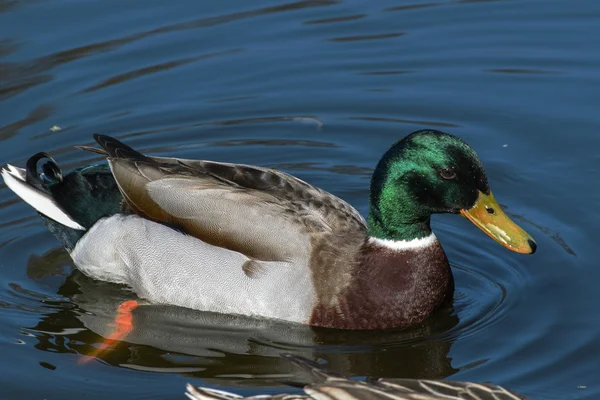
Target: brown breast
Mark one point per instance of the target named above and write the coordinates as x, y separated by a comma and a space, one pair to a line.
389, 288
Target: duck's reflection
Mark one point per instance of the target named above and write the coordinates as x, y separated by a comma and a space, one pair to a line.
225, 347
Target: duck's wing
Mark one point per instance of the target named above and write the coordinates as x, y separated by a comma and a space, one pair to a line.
451, 389
329, 385
202, 393
276, 182
401, 389
262, 213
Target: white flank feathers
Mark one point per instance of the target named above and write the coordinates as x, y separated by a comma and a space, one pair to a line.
14, 178
400, 245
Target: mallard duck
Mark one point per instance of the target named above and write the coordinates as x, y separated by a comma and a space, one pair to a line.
331, 386
250, 240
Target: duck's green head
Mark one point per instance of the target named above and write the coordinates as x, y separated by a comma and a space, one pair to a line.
431, 172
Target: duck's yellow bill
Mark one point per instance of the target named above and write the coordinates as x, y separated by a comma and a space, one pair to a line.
487, 215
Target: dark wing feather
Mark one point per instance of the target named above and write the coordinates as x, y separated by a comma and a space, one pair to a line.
117, 149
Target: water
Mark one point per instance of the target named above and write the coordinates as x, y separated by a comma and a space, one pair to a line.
319, 89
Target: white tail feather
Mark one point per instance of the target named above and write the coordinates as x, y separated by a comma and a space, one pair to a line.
14, 178
18, 173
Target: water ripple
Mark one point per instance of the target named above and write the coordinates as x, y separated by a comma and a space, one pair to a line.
154, 69
272, 142
38, 114
336, 19
406, 121
413, 7
367, 37
524, 71
395, 72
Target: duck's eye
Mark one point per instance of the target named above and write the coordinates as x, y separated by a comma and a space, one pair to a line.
447, 173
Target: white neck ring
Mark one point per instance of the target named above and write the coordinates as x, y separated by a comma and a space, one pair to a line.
400, 245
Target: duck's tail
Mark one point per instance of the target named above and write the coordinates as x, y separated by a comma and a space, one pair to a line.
68, 205
33, 188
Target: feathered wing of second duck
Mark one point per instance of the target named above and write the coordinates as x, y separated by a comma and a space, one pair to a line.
327, 385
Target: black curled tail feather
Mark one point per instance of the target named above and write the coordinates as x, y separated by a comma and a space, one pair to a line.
51, 171
117, 149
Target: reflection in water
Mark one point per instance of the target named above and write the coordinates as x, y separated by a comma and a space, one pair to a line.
227, 347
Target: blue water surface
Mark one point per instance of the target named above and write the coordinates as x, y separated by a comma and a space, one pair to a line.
320, 89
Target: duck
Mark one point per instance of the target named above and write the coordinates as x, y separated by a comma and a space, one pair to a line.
328, 385
255, 241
